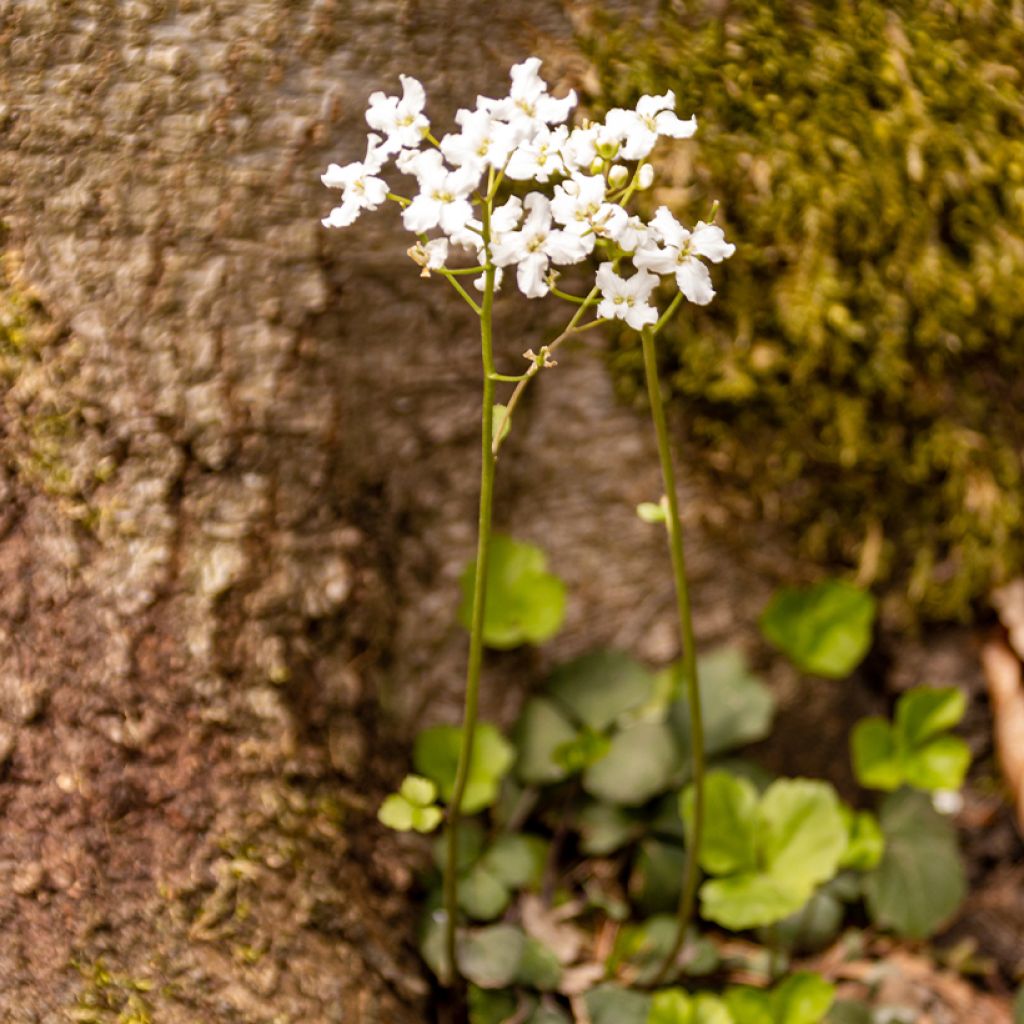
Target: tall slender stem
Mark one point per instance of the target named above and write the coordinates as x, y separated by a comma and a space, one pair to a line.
689, 662
476, 634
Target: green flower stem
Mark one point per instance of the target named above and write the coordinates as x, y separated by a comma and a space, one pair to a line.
476, 634
675, 534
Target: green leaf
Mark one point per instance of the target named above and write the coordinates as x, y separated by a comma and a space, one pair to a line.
548, 1013
436, 755
876, 756
749, 1005
501, 422
824, 629
751, 900
539, 968
469, 843
656, 878
670, 1006
1018, 1007
941, 763
811, 928
865, 842
803, 998
418, 791
542, 730
727, 844
644, 946
641, 762
709, 1009
490, 957
482, 895
736, 707
925, 711
605, 828
598, 688
490, 1007
801, 831
582, 750
524, 602
920, 881
609, 1004
849, 1011
396, 812
652, 512
517, 860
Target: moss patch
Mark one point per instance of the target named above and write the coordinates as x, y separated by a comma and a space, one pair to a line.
860, 377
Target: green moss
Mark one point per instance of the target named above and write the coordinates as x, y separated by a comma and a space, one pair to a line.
860, 377
108, 998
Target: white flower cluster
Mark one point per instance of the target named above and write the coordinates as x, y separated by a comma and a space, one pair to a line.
524, 138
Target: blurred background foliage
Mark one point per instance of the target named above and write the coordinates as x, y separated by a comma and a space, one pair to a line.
860, 378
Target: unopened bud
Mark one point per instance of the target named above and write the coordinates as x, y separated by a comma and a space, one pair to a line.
645, 176
596, 165
617, 176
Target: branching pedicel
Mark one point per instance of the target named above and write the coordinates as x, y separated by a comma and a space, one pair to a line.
468, 201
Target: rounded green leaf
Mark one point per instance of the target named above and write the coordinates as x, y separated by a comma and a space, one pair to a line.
482, 895
517, 860
539, 968
396, 812
728, 840
641, 762
940, 763
598, 688
876, 756
469, 844
926, 711
548, 1013
420, 792
824, 629
436, 755
801, 834
751, 900
670, 1006
850, 1011
609, 1004
803, 998
605, 828
426, 819
1018, 1007
709, 1009
749, 1005
488, 1007
919, 882
644, 946
541, 731
865, 842
651, 512
490, 957
736, 706
811, 928
524, 602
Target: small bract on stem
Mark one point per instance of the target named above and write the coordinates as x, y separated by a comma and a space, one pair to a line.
515, 186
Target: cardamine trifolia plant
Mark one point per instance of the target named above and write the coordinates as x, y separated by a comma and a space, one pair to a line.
516, 186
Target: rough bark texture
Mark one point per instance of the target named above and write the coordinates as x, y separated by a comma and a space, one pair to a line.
237, 485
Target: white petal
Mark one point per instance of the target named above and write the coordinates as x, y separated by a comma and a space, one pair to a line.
640, 315
638, 143
563, 247
342, 216
661, 261
640, 285
694, 281
337, 176
454, 216
668, 229
375, 192
413, 96
421, 214
508, 248
648, 105
709, 240
531, 274
670, 125
508, 215
607, 280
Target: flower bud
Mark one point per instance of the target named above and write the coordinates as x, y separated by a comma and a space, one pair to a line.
645, 176
617, 176
596, 165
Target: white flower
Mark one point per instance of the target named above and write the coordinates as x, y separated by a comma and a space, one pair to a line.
539, 157
639, 129
680, 254
626, 299
443, 200
361, 188
948, 801
483, 141
536, 247
430, 255
635, 235
528, 107
401, 120
585, 148
579, 204
507, 216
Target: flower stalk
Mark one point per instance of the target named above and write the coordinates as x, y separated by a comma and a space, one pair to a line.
684, 913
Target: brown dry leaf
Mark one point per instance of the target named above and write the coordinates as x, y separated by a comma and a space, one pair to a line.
1009, 602
577, 980
550, 929
1006, 694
